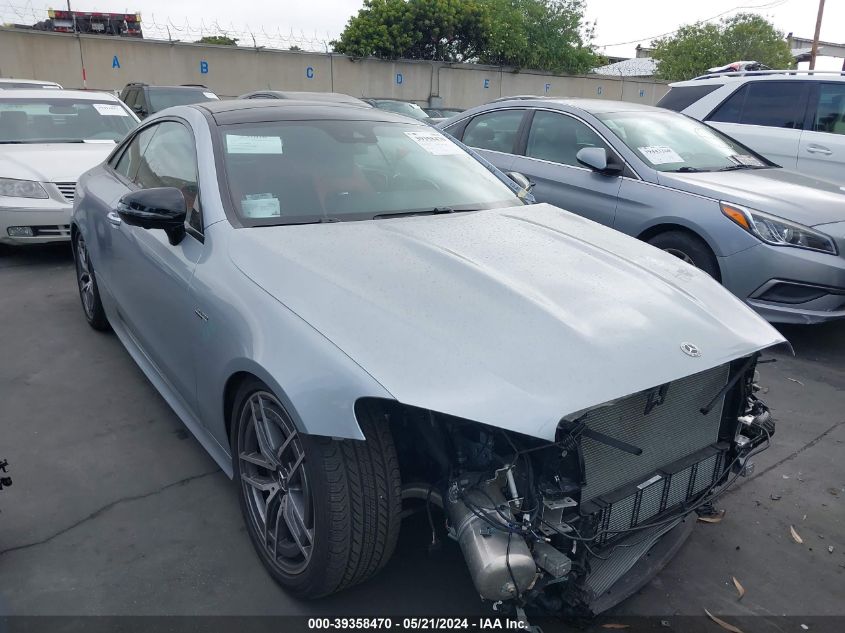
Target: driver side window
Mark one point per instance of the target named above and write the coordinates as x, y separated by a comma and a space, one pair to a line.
170, 160
558, 138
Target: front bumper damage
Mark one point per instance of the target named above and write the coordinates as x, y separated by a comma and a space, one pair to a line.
573, 527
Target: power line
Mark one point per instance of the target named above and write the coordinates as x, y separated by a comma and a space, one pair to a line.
769, 5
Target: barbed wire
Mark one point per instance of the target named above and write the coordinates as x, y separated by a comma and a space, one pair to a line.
184, 29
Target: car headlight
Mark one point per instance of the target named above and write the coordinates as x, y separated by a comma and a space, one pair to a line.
21, 189
777, 231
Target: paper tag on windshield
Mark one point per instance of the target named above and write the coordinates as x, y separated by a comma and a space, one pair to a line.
434, 143
210, 95
747, 159
110, 109
261, 205
237, 144
659, 155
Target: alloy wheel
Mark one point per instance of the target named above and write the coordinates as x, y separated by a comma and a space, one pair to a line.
680, 255
85, 278
275, 482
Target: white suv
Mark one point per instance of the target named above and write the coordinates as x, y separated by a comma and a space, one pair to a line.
794, 118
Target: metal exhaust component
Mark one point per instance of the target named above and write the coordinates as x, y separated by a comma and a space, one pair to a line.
500, 570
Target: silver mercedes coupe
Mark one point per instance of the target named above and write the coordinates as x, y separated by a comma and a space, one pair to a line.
358, 319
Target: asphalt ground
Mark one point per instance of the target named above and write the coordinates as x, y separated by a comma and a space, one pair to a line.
116, 510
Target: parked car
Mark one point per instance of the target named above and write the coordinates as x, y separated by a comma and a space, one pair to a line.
47, 139
774, 237
145, 100
408, 108
349, 311
334, 97
794, 118
442, 113
27, 84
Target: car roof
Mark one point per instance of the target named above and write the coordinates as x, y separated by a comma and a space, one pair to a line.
261, 110
736, 78
34, 82
332, 97
593, 106
71, 95
155, 87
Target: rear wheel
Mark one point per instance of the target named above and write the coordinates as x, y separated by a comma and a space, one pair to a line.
322, 514
693, 250
87, 282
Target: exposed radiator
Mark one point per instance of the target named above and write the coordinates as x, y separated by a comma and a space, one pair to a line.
667, 427
681, 455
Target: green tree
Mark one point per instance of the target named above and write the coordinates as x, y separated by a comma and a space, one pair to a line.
443, 30
539, 34
223, 40
696, 47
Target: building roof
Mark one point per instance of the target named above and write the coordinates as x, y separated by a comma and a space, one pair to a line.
637, 67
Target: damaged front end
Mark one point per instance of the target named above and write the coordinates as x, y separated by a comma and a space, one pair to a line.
563, 527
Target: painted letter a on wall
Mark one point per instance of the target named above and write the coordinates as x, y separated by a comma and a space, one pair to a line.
115, 62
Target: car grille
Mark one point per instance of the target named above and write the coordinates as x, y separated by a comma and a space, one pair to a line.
681, 455
67, 189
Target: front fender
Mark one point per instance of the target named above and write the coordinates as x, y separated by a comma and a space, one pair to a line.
249, 332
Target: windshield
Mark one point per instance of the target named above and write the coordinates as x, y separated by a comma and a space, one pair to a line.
161, 98
46, 120
672, 142
403, 107
291, 172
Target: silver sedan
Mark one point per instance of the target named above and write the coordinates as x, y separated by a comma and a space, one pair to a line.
350, 312
775, 238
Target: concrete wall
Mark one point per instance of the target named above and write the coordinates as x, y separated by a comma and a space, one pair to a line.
111, 63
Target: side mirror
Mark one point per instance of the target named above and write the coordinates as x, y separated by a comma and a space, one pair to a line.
160, 208
596, 158
522, 182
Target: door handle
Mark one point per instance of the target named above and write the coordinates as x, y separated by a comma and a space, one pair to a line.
818, 149
113, 218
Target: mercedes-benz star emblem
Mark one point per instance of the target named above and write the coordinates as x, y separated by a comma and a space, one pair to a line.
690, 349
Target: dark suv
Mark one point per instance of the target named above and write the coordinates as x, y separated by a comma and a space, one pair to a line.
145, 100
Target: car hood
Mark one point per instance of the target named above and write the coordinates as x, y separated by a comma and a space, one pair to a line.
781, 192
513, 317
51, 162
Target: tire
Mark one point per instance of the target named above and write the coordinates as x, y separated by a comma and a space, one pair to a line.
86, 281
334, 505
689, 248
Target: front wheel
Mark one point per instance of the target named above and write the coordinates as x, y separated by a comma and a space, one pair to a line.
89, 293
691, 249
322, 514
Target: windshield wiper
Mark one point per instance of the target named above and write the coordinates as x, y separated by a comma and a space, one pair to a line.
434, 211
686, 170
317, 221
738, 167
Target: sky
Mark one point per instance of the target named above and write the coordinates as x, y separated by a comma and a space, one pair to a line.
620, 24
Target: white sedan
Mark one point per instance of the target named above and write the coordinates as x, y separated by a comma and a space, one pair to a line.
47, 140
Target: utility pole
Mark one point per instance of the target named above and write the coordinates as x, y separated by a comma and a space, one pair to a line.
79, 42
816, 36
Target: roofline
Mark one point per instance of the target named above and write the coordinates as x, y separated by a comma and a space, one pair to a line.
90, 95
744, 73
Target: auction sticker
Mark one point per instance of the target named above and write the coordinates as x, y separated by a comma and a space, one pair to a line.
434, 143
109, 109
240, 144
659, 154
261, 205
